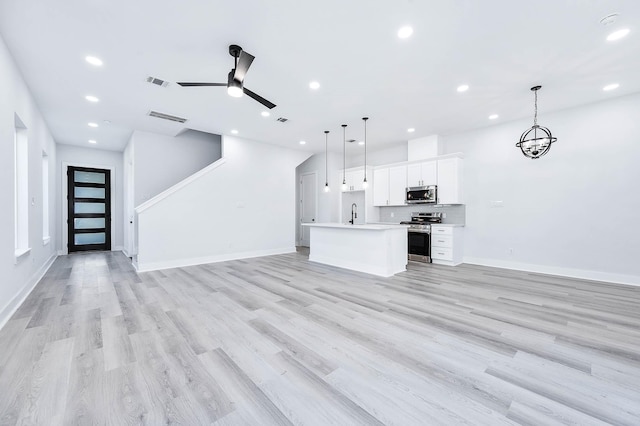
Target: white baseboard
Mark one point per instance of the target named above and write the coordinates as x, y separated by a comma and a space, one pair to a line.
13, 305
178, 263
117, 248
554, 270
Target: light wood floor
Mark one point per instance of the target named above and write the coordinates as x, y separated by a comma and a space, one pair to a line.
280, 340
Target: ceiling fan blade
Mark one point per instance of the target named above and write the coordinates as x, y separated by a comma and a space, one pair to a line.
201, 84
244, 62
259, 98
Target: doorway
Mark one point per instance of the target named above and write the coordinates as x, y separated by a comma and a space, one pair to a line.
308, 205
89, 209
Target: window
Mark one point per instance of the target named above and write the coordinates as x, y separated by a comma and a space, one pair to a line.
21, 201
45, 198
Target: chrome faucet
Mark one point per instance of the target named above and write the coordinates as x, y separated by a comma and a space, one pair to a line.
354, 213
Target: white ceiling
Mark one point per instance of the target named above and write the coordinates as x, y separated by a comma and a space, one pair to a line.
499, 47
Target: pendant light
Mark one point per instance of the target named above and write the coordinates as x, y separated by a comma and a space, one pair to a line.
326, 161
365, 184
344, 157
536, 141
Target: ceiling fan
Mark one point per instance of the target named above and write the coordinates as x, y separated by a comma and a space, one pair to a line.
235, 80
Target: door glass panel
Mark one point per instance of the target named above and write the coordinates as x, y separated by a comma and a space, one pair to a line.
82, 192
89, 207
88, 177
96, 238
89, 223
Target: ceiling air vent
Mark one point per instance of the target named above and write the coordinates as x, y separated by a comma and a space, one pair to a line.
167, 117
157, 81
283, 120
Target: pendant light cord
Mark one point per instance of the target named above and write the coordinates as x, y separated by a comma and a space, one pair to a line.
535, 103
344, 154
326, 158
365, 147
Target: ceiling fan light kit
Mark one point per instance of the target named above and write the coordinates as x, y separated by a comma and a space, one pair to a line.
235, 79
536, 141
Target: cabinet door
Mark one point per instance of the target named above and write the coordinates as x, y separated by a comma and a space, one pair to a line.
354, 180
430, 173
450, 181
414, 174
397, 185
381, 187
358, 180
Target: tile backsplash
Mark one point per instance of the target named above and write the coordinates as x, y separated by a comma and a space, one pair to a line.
453, 213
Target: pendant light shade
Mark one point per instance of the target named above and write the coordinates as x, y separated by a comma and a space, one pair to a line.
344, 157
326, 161
365, 184
536, 141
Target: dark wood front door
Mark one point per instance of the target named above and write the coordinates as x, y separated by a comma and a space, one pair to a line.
89, 217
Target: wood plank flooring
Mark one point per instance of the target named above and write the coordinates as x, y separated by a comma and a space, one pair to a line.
279, 341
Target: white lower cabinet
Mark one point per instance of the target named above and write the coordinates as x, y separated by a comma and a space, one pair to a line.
447, 244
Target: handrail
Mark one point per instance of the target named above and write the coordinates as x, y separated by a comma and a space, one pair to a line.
166, 193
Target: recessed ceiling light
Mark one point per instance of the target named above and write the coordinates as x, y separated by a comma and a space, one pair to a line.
405, 32
617, 35
361, 143
94, 61
314, 85
265, 113
303, 142
411, 130
493, 116
463, 88
92, 141
610, 87
92, 124
234, 131
91, 98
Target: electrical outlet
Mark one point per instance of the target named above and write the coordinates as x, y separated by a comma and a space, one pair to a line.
444, 215
510, 252
393, 214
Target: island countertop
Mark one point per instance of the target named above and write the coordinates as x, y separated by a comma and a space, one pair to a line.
365, 226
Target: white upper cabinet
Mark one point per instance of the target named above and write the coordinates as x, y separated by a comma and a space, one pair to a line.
389, 187
397, 185
422, 174
381, 187
355, 179
450, 181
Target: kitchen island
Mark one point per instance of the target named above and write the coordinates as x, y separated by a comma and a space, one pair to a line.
378, 249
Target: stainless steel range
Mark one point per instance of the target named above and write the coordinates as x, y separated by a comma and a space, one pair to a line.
419, 235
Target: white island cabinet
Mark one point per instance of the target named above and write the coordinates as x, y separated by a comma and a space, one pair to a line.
377, 249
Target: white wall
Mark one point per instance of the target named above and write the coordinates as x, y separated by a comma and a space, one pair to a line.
243, 208
161, 161
69, 155
328, 202
387, 154
17, 279
574, 211
129, 231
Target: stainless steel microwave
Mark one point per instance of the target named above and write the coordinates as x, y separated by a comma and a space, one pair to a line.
422, 194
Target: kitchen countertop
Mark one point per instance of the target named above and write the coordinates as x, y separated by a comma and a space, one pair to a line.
447, 224
365, 226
